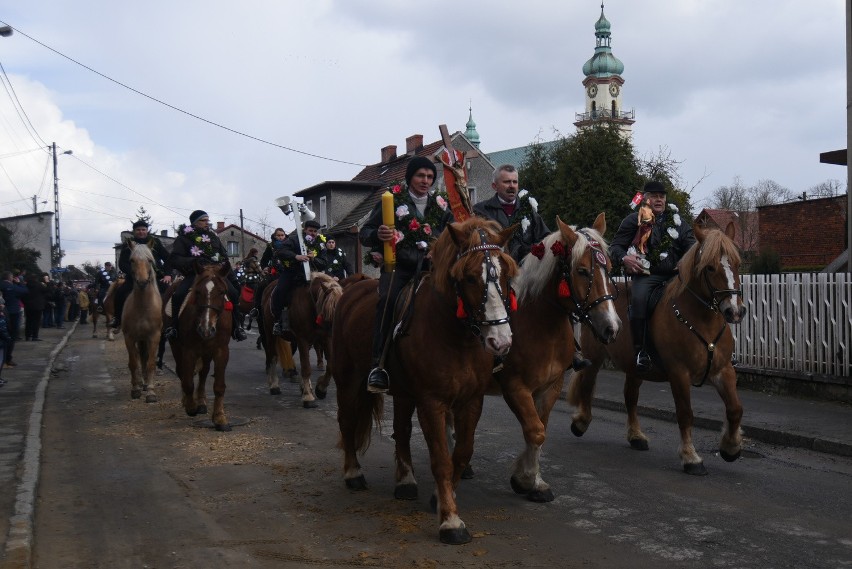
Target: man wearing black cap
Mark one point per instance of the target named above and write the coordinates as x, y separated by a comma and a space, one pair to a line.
140, 237
197, 244
670, 239
292, 273
414, 200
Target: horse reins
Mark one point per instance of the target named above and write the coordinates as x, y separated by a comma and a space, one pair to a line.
581, 313
490, 278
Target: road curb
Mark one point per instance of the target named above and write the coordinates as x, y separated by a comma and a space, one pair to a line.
20, 540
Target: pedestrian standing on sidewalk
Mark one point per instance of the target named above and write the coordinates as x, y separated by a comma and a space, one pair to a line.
5, 339
13, 291
34, 304
83, 299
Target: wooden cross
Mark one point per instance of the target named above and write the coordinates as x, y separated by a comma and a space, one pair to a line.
455, 175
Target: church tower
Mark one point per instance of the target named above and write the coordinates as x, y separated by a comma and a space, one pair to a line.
603, 84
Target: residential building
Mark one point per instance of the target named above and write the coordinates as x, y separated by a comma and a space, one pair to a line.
33, 231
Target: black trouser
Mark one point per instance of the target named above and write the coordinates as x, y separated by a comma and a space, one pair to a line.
283, 293
14, 324
32, 323
120, 295
640, 291
390, 285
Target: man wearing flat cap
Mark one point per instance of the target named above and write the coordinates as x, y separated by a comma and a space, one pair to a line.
140, 237
413, 201
669, 240
196, 244
292, 273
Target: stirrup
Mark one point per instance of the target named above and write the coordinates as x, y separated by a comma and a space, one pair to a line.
170, 333
253, 313
643, 362
277, 330
378, 381
114, 323
239, 334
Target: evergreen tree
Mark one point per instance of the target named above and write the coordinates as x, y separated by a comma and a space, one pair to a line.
12, 257
142, 214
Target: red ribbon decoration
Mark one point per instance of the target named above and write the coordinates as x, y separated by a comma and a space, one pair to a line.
460, 311
319, 320
229, 306
513, 301
564, 291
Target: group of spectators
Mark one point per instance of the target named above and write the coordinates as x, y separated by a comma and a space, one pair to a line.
33, 302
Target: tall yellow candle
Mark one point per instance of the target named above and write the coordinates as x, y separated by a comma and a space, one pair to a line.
388, 219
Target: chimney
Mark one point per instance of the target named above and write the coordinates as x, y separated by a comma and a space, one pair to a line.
220, 226
413, 143
388, 153
164, 233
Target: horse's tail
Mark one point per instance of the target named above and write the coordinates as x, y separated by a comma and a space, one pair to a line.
371, 408
329, 293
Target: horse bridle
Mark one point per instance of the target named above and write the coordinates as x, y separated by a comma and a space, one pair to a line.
581, 312
490, 278
716, 297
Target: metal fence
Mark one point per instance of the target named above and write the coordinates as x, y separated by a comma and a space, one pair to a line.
798, 323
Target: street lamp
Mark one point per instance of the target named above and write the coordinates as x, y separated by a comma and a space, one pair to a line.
56, 256
5, 31
305, 214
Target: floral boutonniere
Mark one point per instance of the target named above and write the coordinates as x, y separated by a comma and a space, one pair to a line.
202, 245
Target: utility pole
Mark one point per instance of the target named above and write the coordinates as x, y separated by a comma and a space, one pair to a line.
56, 254
242, 237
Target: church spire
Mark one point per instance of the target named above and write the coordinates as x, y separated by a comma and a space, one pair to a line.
471, 133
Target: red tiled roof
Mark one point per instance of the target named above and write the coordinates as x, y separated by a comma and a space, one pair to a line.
720, 218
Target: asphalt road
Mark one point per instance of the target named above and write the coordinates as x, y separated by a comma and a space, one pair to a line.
129, 484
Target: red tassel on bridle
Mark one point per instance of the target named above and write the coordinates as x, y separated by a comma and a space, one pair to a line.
564, 291
229, 306
319, 320
513, 301
460, 311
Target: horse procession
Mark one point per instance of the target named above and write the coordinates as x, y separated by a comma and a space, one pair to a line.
468, 303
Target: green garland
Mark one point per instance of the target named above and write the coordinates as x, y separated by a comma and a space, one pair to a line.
671, 221
527, 206
202, 245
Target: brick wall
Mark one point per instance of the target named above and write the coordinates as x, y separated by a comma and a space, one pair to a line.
809, 233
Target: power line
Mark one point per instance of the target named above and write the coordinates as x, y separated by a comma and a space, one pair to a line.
178, 109
19, 108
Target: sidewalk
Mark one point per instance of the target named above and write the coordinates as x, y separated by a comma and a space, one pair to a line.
774, 419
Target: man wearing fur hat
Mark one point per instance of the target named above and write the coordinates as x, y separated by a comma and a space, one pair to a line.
140, 237
292, 273
197, 244
411, 202
669, 240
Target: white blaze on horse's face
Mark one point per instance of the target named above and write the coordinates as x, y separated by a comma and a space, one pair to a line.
497, 338
206, 325
611, 319
732, 307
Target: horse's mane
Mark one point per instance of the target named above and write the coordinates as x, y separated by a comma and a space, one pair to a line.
142, 251
701, 255
536, 273
445, 252
328, 294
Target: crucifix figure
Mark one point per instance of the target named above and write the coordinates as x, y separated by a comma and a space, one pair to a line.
455, 176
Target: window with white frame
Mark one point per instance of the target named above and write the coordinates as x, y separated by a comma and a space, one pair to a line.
323, 212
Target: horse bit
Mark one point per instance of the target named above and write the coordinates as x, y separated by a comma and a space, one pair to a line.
581, 312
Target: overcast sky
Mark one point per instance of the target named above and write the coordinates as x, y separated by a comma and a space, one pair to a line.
752, 89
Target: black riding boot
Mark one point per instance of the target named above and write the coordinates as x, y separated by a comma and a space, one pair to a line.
283, 323
643, 360
378, 381
237, 333
170, 323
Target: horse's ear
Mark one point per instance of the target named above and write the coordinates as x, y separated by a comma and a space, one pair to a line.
699, 232
731, 230
506, 234
568, 234
224, 268
600, 223
456, 235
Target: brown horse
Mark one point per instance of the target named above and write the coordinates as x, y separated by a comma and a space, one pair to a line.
311, 313
107, 312
204, 332
566, 280
693, 344
142, 322
440, 362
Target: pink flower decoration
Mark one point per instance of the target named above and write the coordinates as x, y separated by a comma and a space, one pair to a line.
414, 225
396, 189
397, 236
427, 229
401, 211
205, 238
195, 251
442, 203
188, 230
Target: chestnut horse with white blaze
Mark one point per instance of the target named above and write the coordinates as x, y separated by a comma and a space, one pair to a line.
142, 322
692, 343
439, 362
565, 279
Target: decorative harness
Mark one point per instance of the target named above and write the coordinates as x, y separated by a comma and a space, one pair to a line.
463, 311
581, 312
713, 306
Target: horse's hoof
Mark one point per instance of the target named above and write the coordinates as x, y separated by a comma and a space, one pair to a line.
192, 413
728, 456
696, 469
310, 404
639, 444
320, 393
275, 391
454, 536
467, 473
517, 487
135, 393
223, 428
201, 410
357, 483
540, 496
575, 430
150, 398
405, 492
